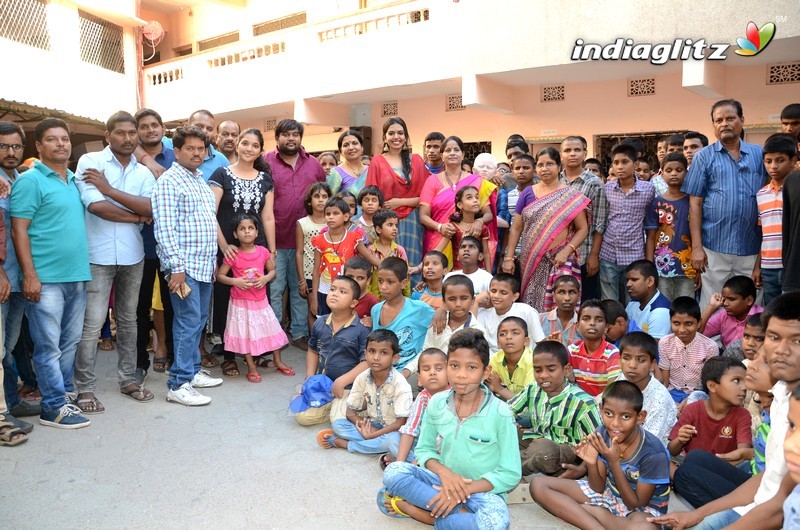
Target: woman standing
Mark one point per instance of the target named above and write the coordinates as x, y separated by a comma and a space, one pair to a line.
244, 187
351, 174
437, 201
400, 176
550, 218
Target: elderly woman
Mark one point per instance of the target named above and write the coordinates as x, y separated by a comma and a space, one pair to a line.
438, 200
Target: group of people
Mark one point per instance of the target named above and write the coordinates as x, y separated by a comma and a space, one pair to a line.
601, 335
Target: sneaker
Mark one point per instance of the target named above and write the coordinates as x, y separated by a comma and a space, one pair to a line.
26, 408
140, 376
203, 379
67, 417
187, 395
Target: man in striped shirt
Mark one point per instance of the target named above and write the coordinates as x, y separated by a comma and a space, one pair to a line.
723, 220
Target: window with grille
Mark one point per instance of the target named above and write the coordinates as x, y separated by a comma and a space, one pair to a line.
279, 24
25, 21
101, 43
779, 74
215, 42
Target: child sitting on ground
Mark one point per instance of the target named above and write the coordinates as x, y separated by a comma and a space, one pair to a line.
637, 359
471, 259
335, 348
595, 361
432, 379
498, 303
467, 450
561, 323
382, 392
618, 324
512, 366
434, 267
648, 307
360, 270
384, 246
738, 299
683, 352
553, 414
370, 199
752, 339
628, 470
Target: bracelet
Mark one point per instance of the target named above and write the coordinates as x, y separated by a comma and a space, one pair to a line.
508, 259
570, 245
439, 228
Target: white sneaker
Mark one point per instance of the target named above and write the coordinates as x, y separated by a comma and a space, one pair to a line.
203, 379
187, 395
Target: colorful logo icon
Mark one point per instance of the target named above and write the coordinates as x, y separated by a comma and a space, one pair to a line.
757, 39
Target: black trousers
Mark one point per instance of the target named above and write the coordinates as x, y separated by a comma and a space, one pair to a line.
143, 324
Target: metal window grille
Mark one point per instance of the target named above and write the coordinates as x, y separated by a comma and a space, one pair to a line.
215, 42
25, 21
779, 74
553, 93
279, 24
270, 124
645, 86
454, 102
101, 43
389, 109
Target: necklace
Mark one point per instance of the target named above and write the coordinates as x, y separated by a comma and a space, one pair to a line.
450, 182
356, 173
460, 414
335, 246
622, 451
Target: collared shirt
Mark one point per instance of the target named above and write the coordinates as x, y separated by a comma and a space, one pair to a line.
164, 159
10, 265
481, 446
594, 370
552, 324
685, 361
592, 187
623, 239
340, 351
659, 184
440, 341
564, 419
213, 160
770, 217
660, 407
523, 373
290, 190
385, 403
57, 230
728, 327
112, 243
185, 218
728, 188
414, 422
653, 318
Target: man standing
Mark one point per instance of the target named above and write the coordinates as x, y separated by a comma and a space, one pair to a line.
185, 217
227, 134
115, 189
433, 152
49, 232
723, 218
293, 171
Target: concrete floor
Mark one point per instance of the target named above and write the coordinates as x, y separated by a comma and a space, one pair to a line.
241, 462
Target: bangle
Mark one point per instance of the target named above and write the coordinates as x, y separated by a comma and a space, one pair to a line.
570, 245
439, 228
508, 259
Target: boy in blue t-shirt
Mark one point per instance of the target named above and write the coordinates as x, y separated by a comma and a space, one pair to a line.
648, 307
408, 319
628, 470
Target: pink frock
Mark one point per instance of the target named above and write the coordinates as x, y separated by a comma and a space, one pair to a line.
251, 326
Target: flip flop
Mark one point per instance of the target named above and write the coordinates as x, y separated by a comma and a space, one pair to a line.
254, 378
384, 496
324, 437
160, 364
209, 361
384, 461
286, 370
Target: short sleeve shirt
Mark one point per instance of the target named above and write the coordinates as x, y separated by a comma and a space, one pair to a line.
673, 252
385, 403
339, 352
333, 256
594, 370
410, 325
714, 436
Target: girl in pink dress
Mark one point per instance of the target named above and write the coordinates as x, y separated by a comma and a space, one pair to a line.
252, 328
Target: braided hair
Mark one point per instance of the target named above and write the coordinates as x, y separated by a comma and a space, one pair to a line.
405, 153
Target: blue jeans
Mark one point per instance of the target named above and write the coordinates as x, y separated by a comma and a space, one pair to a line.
13, 311
191, 314
56, 322
610, 275
394, 447
286, 275
416, 485
772, 284
718, 520
347, 430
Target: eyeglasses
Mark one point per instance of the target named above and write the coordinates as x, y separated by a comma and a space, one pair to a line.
546, 164
13, 147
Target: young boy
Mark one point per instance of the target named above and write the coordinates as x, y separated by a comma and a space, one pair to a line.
512, 366
637, 360
693, 141
467, 450
561, 323
593, 165
370, 199
628, 198
668, 236
643, 170
360, 270
683, 352
385, 223
648, 307
523, 172
595, 362
628, 470
554, 414
335, 348
408, 319
738, 301
618, 324
780, 157
471, 258
382, 392
434, 266
432, 379
745, 349
501, 299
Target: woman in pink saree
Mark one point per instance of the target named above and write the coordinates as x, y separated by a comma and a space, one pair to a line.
437, 201
551, 220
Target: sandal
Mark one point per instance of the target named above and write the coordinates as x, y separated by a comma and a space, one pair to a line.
209, 361
254, 378
326, 437
10, 435
160, 364
286, 370
137, 393
263, 362
383, 496
89, 405
230, 368
106, 345
384, 461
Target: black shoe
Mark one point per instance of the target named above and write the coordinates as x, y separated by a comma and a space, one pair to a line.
24, 426
25, 408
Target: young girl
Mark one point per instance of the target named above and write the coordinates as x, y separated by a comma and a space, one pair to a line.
328, 161
252, 328
468, 210
308, 227
370, 199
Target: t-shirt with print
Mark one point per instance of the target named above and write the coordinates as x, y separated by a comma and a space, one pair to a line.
714, 436
670, 220
333, 256
410, 325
